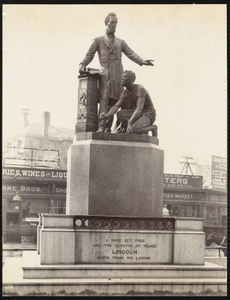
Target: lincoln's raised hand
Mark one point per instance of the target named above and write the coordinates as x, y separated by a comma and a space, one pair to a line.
148, 62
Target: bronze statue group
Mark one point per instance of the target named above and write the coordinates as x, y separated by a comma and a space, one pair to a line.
137, 113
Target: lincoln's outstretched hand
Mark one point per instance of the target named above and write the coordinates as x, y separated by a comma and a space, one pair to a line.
148, 62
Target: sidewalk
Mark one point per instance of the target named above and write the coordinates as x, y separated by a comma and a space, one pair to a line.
12, 270
16, 250
9, 246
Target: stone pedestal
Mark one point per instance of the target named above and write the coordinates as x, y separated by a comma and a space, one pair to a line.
114, 229
84, 239
116, 175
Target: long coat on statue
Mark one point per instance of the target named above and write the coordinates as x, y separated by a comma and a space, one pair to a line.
110, 60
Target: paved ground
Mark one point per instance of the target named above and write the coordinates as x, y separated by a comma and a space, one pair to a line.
12, 272
16, 250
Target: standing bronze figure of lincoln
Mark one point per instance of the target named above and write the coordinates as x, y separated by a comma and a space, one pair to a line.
110, 49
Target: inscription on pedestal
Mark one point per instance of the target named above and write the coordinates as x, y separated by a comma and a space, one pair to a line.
123, 247
126, 249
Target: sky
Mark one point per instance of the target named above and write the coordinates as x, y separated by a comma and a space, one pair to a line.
44, 44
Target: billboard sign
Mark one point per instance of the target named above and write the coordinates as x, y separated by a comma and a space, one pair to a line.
183, 181
219, 173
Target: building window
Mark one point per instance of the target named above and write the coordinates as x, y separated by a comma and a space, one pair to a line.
12, 207
224, 221
51, 146
189, 211
211, 217
12, 219
61, 206
210, 213
174, 210
184, 210
31, 209
35, 143
225, 210
19, 143
57, 206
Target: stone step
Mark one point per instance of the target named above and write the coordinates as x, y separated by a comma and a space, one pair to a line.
208, 270
118, 287
15, 285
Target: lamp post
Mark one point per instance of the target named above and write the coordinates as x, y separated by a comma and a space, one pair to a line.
16, 200
17, 197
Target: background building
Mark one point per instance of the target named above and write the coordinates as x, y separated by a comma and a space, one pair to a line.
34, 169
208, 204
200, 196
27, 192
34, 181
41, 137
44, 191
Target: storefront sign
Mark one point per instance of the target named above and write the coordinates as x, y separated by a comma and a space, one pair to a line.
183, 196
217, 198
219, 173
183, 181
33, 189
60, 190
27, 239
32, 219
10, 172
25, 189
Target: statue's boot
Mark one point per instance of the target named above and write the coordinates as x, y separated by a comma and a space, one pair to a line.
145, 130
154, 130
100, 130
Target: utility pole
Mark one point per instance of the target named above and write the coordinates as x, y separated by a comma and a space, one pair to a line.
25, 114
187, 165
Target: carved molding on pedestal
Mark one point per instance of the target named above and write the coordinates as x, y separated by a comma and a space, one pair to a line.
94, 222
119, 137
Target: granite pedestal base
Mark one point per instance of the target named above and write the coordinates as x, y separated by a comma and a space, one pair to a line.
71, 240
116, 175
98, 255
